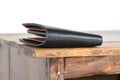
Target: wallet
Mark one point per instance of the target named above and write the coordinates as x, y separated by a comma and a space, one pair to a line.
47, 36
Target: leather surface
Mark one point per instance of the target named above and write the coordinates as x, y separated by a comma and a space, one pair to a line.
54, 37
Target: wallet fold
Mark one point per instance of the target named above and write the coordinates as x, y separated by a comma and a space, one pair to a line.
47, 36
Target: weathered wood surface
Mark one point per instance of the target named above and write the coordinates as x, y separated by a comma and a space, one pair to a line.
89, 66
22, 67
56, 68
17, 66
111, 46
4, 62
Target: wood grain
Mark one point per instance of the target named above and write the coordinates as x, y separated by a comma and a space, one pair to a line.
56, 69
89, 66
76, 52
26, 68
4, 62
61, 62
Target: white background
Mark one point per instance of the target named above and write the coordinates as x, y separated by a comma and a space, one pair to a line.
80, 15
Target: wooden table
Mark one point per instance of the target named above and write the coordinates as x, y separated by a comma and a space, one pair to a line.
21, 62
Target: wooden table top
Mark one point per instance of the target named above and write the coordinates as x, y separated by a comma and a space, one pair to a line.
110, 46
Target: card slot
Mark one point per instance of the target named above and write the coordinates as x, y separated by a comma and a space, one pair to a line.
33, 40
38, 33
